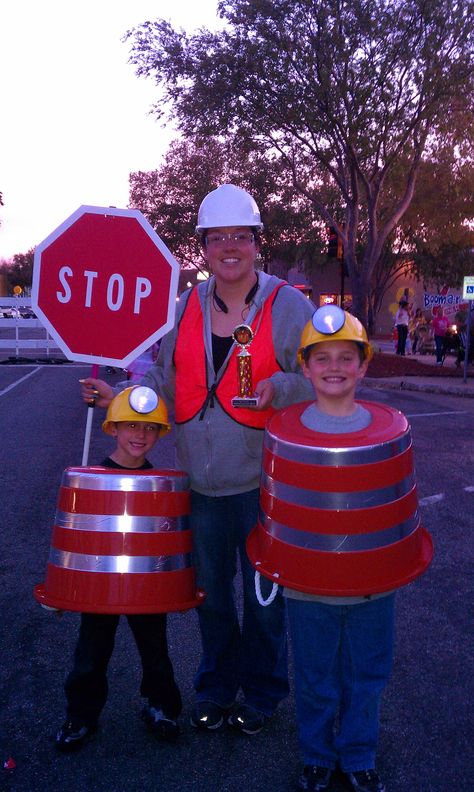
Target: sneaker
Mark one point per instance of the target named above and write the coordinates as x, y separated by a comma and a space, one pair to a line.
247, 720
207, 716
72, 735
314, 778
365, 781
159, 724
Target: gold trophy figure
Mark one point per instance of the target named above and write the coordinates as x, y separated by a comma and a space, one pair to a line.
243, 335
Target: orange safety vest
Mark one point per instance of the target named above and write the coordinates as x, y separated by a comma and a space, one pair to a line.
193, 392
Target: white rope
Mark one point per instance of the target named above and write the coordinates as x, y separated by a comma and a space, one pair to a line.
258, 590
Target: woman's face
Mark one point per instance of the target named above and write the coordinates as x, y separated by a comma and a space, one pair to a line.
230, 253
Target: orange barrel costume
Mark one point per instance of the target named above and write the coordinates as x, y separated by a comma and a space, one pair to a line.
339, 513
121, 543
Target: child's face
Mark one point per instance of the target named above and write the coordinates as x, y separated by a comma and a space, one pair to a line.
335, 368
134, 441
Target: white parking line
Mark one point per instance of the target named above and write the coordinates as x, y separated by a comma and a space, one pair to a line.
430, 415
468, 489
431, 499
18, 382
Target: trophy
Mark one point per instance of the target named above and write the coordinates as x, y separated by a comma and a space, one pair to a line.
243, 335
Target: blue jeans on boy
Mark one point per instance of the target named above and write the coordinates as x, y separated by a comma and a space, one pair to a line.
253, 657
343, 659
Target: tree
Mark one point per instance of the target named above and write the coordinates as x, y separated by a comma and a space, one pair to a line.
340, 91
19, 270
435, 238
170, 196
439, 224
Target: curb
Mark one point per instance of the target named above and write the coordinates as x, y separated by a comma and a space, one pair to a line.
405, 384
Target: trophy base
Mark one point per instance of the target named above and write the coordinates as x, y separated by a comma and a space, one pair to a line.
245, 401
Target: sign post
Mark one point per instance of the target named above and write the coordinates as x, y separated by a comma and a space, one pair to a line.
468, 294
105, 286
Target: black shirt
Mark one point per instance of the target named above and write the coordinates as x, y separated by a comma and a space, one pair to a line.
109, 463
220, 349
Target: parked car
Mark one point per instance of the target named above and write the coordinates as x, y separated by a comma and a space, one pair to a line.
16, 312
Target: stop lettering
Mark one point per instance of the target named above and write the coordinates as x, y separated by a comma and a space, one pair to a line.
115, 289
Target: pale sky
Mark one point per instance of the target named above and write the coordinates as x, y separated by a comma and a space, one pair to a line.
74, 116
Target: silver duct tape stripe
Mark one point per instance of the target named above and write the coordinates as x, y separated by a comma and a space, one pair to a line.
82, 562
341, 543
360, 455
120, 523
119, 482
338, 500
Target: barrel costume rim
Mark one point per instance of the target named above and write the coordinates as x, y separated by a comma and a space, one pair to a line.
322, 529
121, 543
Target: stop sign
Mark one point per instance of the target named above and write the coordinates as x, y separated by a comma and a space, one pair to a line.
105, 285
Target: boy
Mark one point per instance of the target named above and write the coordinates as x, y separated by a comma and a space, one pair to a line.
342, 645
136, 417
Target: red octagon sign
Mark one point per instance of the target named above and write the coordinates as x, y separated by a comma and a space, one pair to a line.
105, 285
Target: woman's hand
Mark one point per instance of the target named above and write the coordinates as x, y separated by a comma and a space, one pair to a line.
265, 390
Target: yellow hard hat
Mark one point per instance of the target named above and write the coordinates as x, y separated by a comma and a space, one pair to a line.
137, 404
331, 323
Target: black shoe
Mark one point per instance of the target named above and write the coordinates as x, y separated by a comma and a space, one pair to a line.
247, 720
365, 781
159, 724
207, 716
314, 778
72, 735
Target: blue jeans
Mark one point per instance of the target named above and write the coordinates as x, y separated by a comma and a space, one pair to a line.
343, 658
440, 343
251, 657
402, 331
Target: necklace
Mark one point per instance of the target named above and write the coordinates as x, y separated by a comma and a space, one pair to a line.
220, 305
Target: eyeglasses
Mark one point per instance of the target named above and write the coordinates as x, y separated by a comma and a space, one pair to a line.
238, 238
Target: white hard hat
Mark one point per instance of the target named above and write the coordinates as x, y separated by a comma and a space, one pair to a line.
228, 206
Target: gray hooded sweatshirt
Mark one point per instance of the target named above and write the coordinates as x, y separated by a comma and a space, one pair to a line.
220, 455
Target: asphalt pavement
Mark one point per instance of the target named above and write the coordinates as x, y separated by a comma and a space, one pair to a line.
426, 716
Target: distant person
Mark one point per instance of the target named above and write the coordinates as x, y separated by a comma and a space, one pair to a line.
86, 686
417, 321
137, 369
402, 318
440, 325
464, 343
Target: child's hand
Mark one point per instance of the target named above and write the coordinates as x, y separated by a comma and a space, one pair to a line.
96, 391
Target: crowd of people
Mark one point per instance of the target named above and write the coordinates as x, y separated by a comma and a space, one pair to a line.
342, 645
417, 332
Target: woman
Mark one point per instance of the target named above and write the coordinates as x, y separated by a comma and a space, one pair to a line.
402, 317
220, 447
440, 326
414, 327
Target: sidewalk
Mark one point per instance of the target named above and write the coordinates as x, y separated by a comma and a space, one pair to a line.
450, 382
